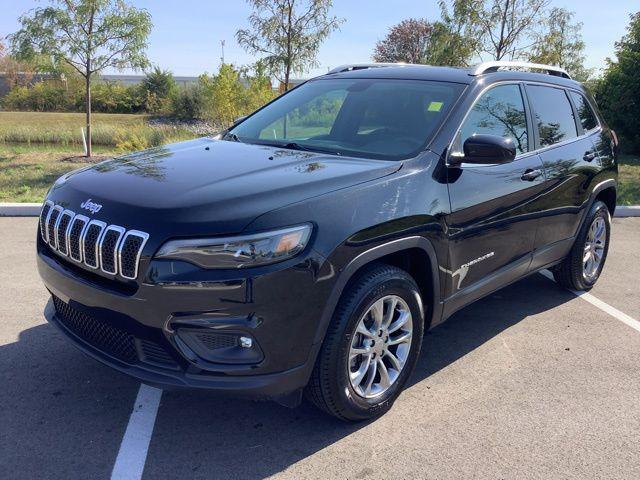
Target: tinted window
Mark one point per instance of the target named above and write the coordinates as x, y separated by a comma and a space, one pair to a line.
499, 111
553, 114
374, 118
585, 112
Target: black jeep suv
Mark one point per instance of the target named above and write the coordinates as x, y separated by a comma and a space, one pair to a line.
309, 246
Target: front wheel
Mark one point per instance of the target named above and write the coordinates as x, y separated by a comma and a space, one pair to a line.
583, 266
371, 347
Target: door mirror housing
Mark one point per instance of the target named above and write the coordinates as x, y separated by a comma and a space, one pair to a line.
488, 149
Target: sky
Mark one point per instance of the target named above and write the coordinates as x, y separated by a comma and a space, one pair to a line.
187, 33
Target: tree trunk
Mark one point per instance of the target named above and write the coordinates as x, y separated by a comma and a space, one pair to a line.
87, 105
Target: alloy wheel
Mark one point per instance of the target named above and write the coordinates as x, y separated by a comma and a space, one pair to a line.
380, 346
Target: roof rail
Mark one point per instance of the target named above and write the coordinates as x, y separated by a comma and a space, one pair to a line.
363, 66
494, 66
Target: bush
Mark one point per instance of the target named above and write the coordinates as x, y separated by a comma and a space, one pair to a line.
41, 97
189, 103
111, 97
159, 90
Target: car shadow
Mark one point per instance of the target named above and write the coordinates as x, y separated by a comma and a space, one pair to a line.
198, 434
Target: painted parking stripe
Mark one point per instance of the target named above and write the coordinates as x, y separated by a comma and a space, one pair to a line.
605, 307
135, 443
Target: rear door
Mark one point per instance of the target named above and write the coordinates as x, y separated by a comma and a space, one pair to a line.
494, 208
570, 161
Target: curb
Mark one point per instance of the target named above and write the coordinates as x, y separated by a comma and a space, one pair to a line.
627, 211
20, 209
33, 210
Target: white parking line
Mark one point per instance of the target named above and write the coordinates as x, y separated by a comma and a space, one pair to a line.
135, 443
605, 307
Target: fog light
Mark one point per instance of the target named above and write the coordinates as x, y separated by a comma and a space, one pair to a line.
246, 342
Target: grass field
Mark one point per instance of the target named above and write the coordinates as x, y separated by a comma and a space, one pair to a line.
63, 130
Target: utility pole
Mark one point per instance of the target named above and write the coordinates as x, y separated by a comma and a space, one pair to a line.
222, 45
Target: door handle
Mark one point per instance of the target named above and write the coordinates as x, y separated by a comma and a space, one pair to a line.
530, 175
589, 156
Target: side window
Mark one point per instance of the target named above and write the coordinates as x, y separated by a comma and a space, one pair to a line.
585, 112
553, 114
499, 111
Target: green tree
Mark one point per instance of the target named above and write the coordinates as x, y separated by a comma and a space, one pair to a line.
258, 89
618, 93
287, 34
456, 37
88, 35
560, 43
159, 90
223, 95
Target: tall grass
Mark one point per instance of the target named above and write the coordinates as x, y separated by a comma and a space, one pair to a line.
63, 129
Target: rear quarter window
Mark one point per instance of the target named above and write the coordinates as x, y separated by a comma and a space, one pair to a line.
586, 114
553, 115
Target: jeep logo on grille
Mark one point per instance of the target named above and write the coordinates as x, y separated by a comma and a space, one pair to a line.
91, 206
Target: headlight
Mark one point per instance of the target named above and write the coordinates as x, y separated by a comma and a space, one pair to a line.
239, 252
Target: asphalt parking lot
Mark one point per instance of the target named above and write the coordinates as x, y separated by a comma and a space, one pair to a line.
531, 382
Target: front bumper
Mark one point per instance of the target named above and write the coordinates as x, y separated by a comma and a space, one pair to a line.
279, 309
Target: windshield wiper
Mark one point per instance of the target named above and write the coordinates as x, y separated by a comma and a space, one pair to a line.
301, 147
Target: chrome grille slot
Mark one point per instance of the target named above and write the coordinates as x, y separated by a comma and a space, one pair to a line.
111, 248
74, 239
44, 216
64, 222
130, 251
51, 225
90, 242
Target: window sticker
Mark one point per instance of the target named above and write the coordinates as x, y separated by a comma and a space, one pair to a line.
435, 106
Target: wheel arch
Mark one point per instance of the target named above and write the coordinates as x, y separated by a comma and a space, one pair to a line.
403, 253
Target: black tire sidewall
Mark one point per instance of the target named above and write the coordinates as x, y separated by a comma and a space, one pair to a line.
354, 405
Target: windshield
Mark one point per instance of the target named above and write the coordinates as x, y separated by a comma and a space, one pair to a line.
375, 118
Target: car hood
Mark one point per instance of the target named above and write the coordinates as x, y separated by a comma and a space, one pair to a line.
207, 186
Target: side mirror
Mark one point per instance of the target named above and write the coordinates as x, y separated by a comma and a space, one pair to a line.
488, 149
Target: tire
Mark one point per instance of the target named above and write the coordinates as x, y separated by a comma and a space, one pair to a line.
331, 387
573, 273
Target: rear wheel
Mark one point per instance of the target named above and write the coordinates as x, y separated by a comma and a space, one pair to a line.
583, 266
371, 346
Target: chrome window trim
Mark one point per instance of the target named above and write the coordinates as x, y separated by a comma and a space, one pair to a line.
44, 232
80, 237
138, 233
71, 214
116, 263
530, 152
55, 226
102, 226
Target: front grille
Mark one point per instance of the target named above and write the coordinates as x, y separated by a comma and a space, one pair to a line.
61, 231
90, 243
99, 334
51, 225
112, 248
109, 249
44, 214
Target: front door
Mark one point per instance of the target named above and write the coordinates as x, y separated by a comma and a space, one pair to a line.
494, 208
